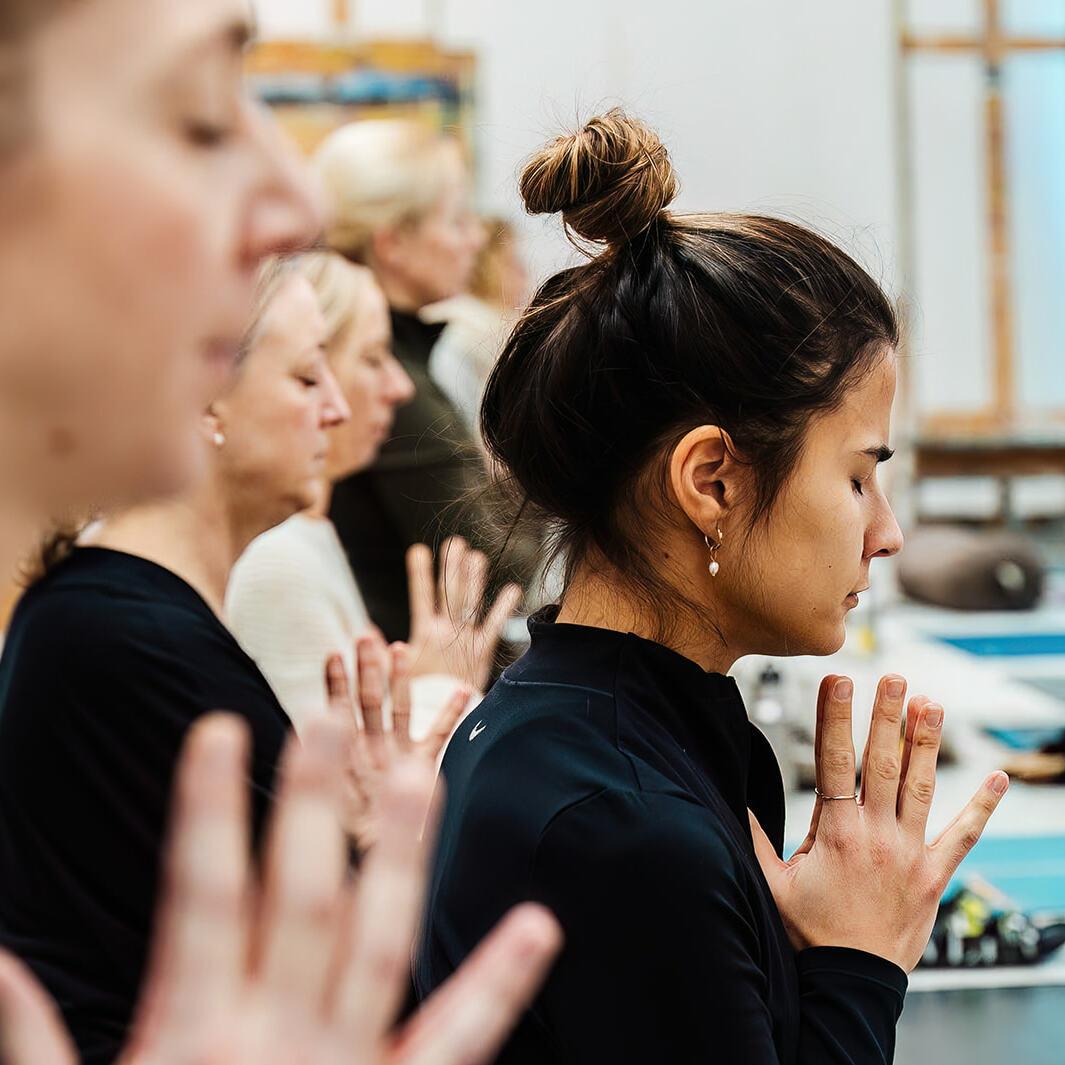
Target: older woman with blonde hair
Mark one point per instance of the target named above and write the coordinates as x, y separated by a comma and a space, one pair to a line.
292, 599
399, 196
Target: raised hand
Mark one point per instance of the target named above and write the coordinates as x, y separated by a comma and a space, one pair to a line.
865, 877
306, 966
448, 633
374, 749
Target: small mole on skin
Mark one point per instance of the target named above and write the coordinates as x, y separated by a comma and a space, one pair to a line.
60, 442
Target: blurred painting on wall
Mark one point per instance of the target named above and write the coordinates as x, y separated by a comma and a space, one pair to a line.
313, 88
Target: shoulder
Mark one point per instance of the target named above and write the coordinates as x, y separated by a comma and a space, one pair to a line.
64, 615
290, 553
627, 830
290, 565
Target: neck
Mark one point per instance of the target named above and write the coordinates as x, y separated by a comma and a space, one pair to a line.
19, 533
400, 296
597, 600
323, 496
198, 535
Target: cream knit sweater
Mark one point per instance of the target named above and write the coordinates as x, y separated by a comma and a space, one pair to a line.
292, 600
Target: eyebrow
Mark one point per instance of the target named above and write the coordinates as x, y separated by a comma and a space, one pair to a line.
881, 452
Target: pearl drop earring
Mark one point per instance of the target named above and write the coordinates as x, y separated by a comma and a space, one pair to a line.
714, 567
219, 438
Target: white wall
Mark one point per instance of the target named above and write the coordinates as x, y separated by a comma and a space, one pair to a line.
765, 104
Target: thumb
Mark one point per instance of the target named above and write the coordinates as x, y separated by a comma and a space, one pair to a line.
764, 851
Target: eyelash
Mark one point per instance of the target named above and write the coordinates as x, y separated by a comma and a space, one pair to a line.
310, 382
857, 485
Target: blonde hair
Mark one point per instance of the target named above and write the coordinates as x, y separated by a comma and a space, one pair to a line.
486, 282
379, 174
272, 274
339, 286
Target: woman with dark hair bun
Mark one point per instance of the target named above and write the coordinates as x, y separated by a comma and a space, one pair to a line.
697, 414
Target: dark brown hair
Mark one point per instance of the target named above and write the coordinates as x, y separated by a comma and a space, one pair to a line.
751, 323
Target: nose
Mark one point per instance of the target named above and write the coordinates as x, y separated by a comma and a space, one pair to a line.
335, 410
287, 212
885, 537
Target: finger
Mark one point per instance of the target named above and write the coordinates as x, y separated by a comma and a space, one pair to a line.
306, 864
823, 693
490, 631
765, 852
401, 697
475, 577
387, 907
961, 835
420, 585
197, 966
915, 793
31, 1028
836, 763
338, 687
371, 684
445, 722
880, 784
500, 612
466, 1021
452, 568
913, 714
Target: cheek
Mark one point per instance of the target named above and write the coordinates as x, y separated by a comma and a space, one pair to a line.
360, 394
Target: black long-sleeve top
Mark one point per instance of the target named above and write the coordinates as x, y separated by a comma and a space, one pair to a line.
108, 660
418, 489
609, 777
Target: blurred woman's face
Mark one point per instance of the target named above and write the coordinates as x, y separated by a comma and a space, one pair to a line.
134, 214
433, 258
274, 418
372, 381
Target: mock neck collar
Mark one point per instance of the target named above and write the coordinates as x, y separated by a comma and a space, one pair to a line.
704, 712
413, 338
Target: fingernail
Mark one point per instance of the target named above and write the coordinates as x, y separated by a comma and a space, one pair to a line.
999, 782
933, 715
843, 689
895, 687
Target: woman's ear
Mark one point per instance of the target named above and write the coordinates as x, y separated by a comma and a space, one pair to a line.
703, 477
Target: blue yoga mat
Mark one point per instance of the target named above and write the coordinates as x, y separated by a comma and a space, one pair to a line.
1011, 644
1029, 869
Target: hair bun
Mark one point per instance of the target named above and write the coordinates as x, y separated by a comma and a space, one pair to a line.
611, 180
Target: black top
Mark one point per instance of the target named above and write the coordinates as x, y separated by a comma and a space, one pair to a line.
415, 490
108, 660
610, 778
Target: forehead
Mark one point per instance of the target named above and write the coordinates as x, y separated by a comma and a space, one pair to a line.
293, 321
863, 418
143, 38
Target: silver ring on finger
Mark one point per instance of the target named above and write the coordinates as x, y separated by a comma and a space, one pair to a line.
834, 798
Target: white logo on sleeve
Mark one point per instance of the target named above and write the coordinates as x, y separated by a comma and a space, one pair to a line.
477, 730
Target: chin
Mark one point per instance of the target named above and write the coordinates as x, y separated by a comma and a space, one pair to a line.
818, 643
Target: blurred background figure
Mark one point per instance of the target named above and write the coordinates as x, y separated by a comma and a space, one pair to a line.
133, 610
292, 599
400, 198
477, 322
